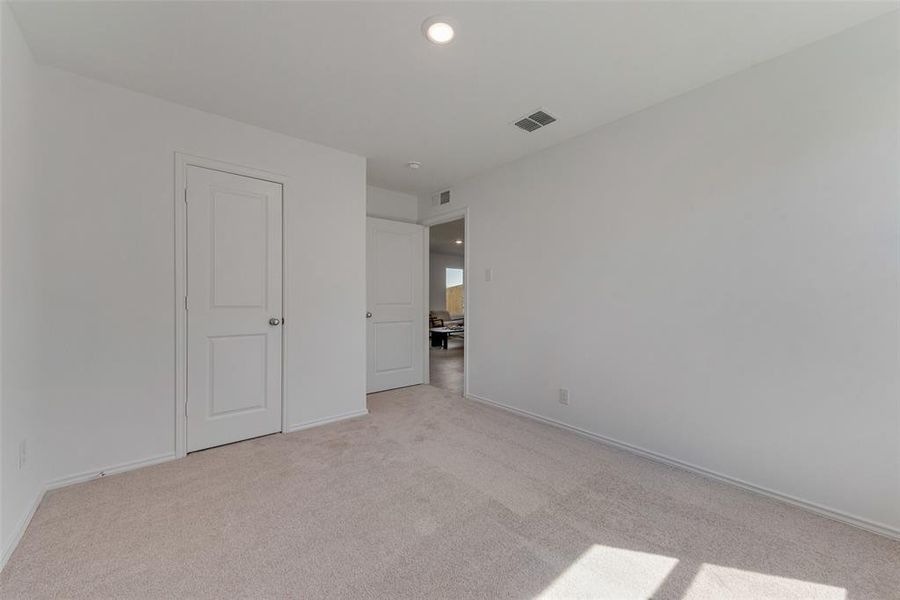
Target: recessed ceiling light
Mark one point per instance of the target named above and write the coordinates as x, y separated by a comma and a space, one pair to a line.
414, 164
459, 241
438, 30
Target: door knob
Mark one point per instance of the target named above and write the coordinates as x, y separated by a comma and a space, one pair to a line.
368, 315
274, 321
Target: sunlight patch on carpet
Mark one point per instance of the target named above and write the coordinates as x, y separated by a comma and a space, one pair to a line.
607, 572
714, 581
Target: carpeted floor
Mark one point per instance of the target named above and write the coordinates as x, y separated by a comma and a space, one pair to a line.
434, 496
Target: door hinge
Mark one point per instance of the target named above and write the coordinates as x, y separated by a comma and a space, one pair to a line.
185, 195
185, 303
185, 408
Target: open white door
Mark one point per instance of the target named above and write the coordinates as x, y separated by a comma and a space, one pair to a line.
234, 254
395, 323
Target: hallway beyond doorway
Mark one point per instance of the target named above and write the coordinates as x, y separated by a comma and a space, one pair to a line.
447, 366
447, 306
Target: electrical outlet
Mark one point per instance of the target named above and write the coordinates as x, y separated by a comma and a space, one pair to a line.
564, 396
23, 454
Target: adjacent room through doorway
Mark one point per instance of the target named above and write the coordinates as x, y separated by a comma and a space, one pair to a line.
447, 308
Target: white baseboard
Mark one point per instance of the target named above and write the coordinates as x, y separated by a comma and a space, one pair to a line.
21, 526
836, 515
326, 420
111, 470
129, 466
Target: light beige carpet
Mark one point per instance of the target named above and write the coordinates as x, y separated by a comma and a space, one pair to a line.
433, 496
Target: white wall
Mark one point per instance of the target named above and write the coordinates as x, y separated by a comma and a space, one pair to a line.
719, 277
387, 204
20, 314
88, 252
3, 543
110, 267
437, 283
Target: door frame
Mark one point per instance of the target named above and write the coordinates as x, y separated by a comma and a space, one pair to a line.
182, 162
446, 217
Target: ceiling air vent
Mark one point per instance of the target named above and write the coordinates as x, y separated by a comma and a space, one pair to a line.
528, 125
442, 198
535, 120
542, 118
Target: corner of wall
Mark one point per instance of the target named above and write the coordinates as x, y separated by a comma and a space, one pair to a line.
21, 487
387, 204
2, 537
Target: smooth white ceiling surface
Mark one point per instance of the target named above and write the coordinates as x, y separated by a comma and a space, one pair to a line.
442, 238
361, 77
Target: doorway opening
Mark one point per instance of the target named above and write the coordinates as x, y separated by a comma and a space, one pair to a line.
447, 309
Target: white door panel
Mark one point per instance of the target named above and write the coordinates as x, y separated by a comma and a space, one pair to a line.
395, 332
234, 253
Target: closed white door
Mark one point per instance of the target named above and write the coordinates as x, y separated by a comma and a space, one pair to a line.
395, 317
234, 254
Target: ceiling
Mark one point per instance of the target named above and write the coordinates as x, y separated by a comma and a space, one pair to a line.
442, 238
361, 77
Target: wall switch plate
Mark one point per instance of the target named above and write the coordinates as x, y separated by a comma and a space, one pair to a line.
564, 396
488, 274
